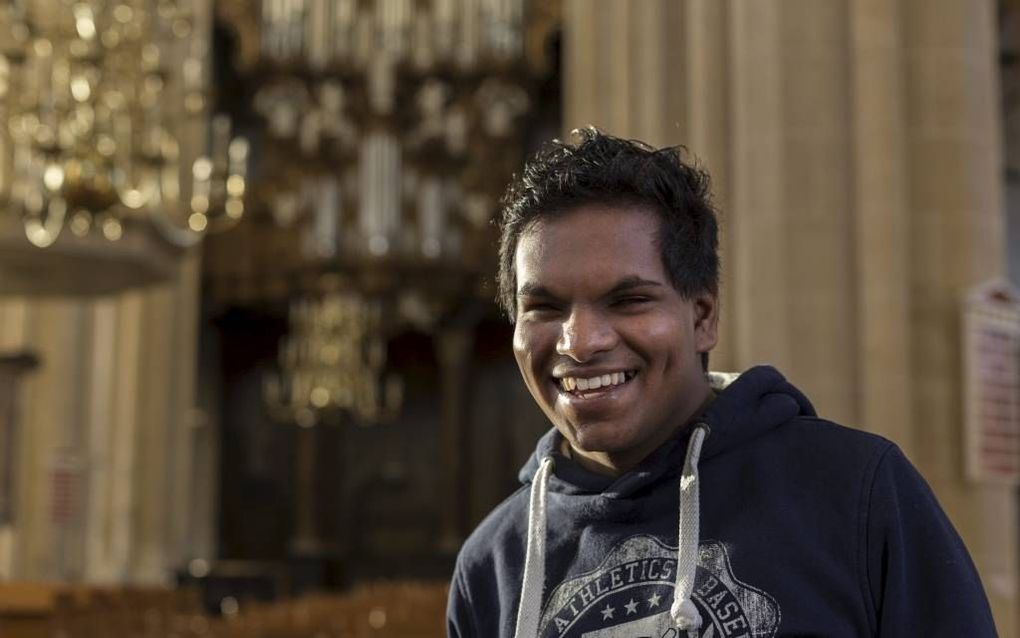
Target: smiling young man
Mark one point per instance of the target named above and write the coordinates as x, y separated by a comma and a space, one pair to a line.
666, 500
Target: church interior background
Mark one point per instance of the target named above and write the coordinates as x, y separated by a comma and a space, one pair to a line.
252, 378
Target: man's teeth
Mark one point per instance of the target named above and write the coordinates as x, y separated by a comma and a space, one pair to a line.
592, 383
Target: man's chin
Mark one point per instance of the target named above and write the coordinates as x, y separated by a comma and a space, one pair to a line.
600, 438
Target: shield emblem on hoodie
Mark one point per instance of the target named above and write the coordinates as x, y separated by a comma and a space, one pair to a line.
629, 595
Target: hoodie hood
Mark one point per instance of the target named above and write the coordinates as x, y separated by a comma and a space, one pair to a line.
746, 406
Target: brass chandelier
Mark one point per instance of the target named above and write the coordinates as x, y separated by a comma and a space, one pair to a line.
334, 356
104, 121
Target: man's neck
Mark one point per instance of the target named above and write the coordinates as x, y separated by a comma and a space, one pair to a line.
609, 464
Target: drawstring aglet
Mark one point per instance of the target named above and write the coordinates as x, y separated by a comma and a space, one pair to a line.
685, 615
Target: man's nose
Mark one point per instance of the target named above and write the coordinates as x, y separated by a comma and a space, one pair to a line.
584, 334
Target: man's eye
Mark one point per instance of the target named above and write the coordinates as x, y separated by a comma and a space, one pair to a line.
540, 307
630, 302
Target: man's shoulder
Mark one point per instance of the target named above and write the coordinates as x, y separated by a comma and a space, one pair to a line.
506, 525
813, 446
815, 433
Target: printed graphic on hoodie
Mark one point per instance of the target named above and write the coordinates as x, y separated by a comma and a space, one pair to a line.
630, 593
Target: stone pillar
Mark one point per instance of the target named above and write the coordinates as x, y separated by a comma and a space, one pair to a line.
49, 485
115, 522
192, 485
955, 172
107, 420
759, 246
705, 33
791, 252
105, 444
605, 42
12, 367
882, 221
166, 414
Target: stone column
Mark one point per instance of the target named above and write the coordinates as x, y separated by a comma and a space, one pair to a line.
109, 341
49, 485
706, 96
115, 522
192, 482
605, 42
109, 408
954, 133
169, 325
12, 367
759, 246
882, 221
791, 259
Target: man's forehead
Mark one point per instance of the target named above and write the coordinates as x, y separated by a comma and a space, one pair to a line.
619, 242
590, 265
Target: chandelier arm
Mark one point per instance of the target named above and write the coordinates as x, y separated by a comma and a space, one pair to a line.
43, 233
175, 235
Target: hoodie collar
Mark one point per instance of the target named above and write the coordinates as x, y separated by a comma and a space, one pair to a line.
746, 406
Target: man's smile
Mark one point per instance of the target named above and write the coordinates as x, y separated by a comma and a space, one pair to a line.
580, 384
597, 396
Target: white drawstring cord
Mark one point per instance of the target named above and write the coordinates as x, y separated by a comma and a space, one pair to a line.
530, 610
683, 611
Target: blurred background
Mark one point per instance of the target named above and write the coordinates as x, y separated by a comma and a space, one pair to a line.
252, 378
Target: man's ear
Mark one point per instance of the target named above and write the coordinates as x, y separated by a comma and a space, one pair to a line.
706, 321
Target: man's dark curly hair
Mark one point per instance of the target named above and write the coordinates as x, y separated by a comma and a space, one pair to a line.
602, 169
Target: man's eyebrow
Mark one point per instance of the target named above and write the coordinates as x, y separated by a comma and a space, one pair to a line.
532, 289
633, 281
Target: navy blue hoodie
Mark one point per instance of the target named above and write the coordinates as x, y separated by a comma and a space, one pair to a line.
802, 528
